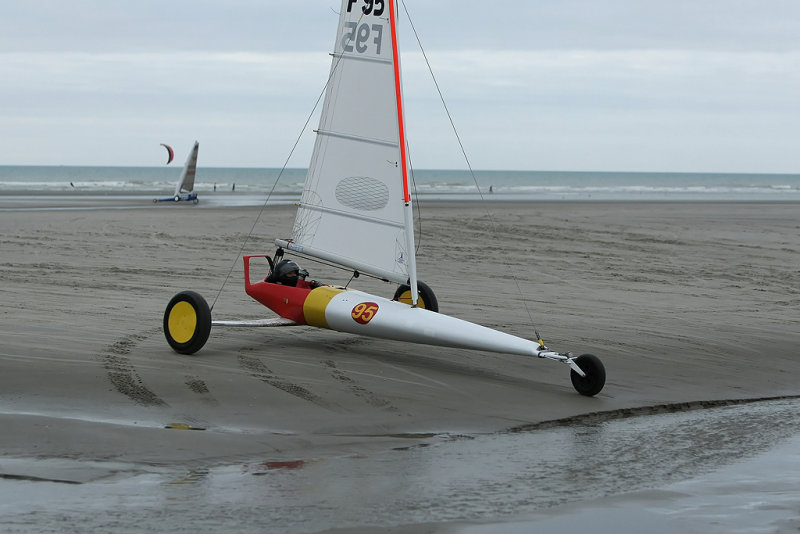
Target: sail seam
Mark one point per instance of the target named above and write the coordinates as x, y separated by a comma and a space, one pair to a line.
351, 137
360, 58
341, 213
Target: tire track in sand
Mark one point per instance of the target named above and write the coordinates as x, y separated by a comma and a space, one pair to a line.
257, 369
125, 378
123, 375
369, 397
198, 385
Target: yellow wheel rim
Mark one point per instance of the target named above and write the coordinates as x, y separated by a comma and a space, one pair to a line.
182, 322
405, 298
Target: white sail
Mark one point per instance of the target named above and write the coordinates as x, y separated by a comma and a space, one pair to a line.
186, 181
355, 208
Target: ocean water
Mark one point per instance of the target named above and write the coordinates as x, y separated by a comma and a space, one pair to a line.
428, 184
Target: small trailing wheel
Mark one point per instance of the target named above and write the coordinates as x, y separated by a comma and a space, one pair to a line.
427, 299
595, 378
195, 200
187, 322
177, 198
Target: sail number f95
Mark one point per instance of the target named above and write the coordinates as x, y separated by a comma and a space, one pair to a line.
374, 7
357, 36
360, 37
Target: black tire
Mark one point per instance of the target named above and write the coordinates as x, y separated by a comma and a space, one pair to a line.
177, 198
187, 322
591, 384
427, 299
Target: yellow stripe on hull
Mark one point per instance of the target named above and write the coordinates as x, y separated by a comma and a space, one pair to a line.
316, 302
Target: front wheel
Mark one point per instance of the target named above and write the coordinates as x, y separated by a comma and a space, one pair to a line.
187, 322
595, 378
427, 299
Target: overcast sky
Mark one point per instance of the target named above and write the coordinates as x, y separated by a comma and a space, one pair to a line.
611, 85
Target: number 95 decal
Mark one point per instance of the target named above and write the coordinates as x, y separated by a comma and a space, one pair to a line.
364, 312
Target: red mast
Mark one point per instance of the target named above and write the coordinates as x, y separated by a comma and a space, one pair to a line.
398, 96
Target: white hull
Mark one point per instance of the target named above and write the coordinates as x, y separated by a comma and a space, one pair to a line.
398, 321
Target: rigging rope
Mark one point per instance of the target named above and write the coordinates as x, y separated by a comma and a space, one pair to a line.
417, 241
468, 163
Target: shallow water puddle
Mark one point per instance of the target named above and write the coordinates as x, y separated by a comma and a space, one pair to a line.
484, 478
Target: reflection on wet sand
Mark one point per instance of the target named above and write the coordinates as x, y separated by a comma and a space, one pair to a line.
455, 480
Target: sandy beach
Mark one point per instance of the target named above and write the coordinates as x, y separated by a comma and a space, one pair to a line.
688, 305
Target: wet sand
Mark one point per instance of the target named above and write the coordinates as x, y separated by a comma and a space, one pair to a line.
688, 304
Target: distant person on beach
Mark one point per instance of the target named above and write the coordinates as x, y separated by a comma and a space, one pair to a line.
233, 188
73, 185
289, 273
215, 187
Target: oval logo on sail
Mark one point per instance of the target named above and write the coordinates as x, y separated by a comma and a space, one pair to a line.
364, 312
362, 193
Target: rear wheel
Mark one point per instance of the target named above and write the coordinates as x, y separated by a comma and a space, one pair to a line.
187, 322
427, 299
595, 378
